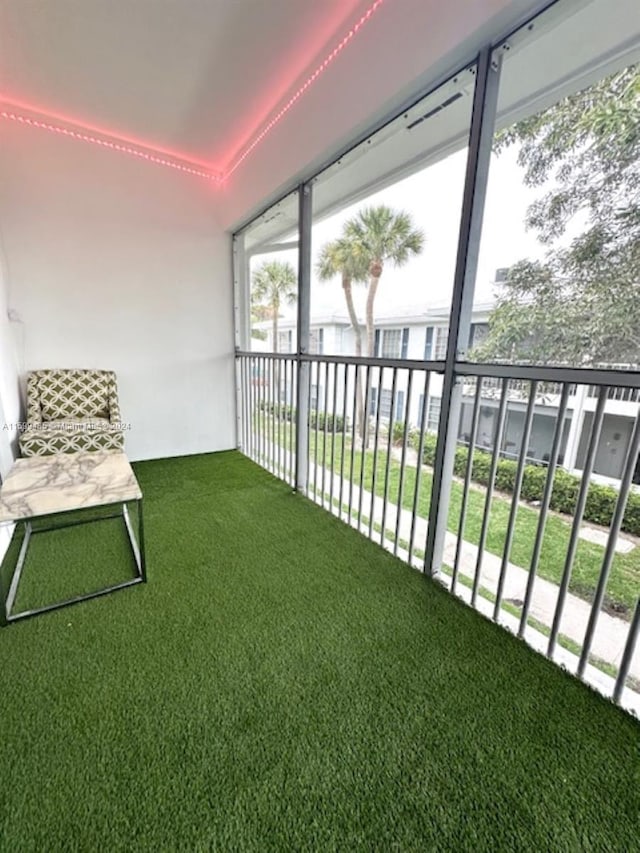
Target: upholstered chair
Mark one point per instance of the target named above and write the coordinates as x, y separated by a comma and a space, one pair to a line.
71, 410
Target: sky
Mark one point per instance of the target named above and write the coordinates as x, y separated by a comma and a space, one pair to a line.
433, 198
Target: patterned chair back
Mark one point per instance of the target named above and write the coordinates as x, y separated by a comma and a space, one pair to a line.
55, 395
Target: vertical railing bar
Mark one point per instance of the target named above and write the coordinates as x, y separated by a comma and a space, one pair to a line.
288, 410
254, 405
293, 422
333, 434
247, 375
544, 507
324, 428
282, 403
375, 451
387, 467
627, 655
277, 367
475, 419
489, 496
315, 476
268, 443
260, 434
416, 491
345, 384
272, 406
239, 367
354, 430
515, 497
403, 459
265, 415
578, 513
248, 378
285, 420
610, 551
365, 434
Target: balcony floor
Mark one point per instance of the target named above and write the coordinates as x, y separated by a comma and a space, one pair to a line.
283, 683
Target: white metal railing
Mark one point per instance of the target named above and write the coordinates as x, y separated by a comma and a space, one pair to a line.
515, 545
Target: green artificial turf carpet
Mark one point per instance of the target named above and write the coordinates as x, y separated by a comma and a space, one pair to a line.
283, 684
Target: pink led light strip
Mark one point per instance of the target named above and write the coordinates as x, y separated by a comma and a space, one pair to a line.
311, 79
212, 175
106, 143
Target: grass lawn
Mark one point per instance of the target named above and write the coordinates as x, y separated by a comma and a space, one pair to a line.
624, 581
281, 683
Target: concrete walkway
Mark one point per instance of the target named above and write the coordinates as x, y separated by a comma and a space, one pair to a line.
611, 632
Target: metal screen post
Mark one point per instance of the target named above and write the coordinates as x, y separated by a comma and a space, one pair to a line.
241, 326
485, 101
304, 305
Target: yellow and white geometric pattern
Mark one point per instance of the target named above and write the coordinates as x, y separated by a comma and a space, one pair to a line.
71, 410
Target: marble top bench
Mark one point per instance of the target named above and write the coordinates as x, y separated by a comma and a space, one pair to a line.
43, 485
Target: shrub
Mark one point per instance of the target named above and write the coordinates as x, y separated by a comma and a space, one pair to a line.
398, 432
317, 419
601, 502
631, 523
533, 482
460, 461
481, 467
429, 448
565, 492
506, 475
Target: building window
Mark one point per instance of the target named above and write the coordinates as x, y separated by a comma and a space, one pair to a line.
479, 332
385, 404
428, 344
392, 343
433, 414
441, 340
316, 341
285, 341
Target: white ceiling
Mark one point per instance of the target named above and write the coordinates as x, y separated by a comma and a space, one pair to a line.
200, 78
193, 77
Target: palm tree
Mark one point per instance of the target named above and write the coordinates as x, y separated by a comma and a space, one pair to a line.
273, 283
340, 257
381, 235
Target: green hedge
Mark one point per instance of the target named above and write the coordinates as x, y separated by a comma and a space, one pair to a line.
601, 500
288, 413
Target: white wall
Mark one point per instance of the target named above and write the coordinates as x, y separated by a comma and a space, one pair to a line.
119, 264
9, 388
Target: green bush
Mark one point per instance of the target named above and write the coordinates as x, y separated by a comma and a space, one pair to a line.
481, 467
533, 482
429, 448
601, 500
317, 420
631, 521
506, 475
398, 433
565, 492
460, 461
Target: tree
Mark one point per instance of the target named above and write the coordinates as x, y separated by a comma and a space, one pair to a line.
273, 283
379, 236
582, 303
341, 257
